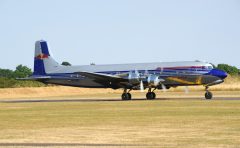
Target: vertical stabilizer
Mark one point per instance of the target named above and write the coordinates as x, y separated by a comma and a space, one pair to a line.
43, 62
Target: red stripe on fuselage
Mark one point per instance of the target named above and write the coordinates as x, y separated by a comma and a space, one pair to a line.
181, 67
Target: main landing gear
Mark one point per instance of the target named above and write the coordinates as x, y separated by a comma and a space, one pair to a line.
150, 94
208, 94
126, 95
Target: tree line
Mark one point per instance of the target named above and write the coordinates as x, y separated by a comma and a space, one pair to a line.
8, 77
232, 70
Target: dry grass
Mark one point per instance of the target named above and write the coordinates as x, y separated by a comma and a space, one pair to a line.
49, 92
86, 93
159, 123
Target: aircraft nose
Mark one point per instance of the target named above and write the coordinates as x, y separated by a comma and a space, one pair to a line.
219, 73
224, 75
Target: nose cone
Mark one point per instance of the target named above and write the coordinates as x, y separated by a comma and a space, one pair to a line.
218, 73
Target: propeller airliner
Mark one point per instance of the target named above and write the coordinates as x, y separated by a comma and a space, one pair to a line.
137, 76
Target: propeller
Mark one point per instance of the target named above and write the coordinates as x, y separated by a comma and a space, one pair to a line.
130, 75
137, 73
157, 81
141, 86
163, 87
134, 75
146, 73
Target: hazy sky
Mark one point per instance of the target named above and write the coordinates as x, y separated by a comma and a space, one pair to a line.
121, 31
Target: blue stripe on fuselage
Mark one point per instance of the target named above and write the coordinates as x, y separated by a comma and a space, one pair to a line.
159, 72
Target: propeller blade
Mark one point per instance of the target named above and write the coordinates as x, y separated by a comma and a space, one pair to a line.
141, 86
130, 75
164, 88
156, 81
136, 73
146, 73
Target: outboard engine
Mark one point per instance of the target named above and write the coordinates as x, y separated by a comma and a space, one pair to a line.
134, 77
154, 80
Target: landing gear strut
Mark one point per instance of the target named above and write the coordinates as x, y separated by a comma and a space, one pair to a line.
208, 94
126, 95
150, 94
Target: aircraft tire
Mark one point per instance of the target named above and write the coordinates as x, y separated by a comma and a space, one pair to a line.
208, 95
150, 96
126, 96
129, 96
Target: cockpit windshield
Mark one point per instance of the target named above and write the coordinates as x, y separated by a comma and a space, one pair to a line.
209, 67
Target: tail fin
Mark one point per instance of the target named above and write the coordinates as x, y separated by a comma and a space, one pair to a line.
43, 62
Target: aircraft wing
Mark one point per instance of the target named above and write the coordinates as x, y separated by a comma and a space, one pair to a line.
102, 77
112, 81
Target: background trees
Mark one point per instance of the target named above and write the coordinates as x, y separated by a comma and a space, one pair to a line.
8, 78
232, 70
20, 72
65, 63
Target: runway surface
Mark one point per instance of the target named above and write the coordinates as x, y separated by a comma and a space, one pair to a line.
111, 100
72, 145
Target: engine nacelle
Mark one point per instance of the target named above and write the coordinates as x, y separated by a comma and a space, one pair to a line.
153, 80
134, 77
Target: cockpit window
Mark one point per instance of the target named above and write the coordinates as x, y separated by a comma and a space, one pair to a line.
210, 67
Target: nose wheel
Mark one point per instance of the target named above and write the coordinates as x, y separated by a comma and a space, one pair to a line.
151, 94
208, 94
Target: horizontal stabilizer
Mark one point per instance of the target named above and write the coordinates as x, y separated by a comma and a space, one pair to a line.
35, 78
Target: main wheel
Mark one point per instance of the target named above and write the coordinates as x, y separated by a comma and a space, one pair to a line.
150, 95
126, 96
129, 96
208, 95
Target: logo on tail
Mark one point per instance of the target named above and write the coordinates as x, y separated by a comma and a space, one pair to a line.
41, 56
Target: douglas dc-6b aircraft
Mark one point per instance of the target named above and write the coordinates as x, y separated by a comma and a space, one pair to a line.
129, 77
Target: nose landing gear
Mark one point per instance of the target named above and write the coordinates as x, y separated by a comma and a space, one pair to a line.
208, 94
